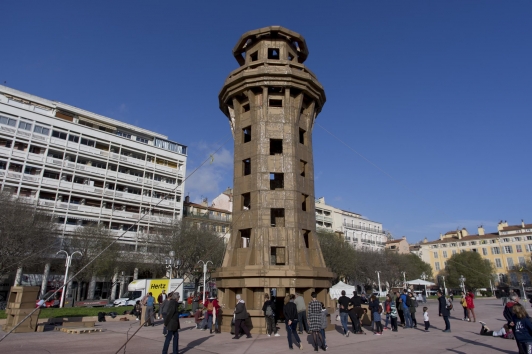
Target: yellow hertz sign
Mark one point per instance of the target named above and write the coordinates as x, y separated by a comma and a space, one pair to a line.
157, 286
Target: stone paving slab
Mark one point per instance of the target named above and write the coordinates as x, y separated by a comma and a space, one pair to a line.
464, 338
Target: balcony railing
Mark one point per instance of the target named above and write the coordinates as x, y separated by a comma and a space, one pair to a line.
226, 218
320, 217
363, 228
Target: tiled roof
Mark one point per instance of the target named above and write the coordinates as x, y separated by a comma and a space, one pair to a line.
517, 227
394, 241
465, 238
199, 206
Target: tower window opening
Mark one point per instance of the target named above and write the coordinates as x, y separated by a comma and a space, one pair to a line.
245, 238
276, 146
276, 181
302, 168
254, 56
245, 107
277, 217
273, 53
246, 133
304, 202
306, 237
275, 103
302, 136
277, 255
246, 201
246, 167
290, 56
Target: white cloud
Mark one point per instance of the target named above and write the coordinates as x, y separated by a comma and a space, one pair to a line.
214, 176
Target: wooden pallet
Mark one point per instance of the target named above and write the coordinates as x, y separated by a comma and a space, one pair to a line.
79, 330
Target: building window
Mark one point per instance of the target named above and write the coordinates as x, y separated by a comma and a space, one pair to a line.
73, 138
444, 254
246, 134
273, 53
302, 136
304, 202
276, 181
276, 146
277, 256
435, 254
246, 201
302, 168
275, 102
246, 167
123, 135
245, 238
508, 249
453, 252
8, 121
437, 265
495, 250
58, 134
41, 130
277, 217
306, 238
510, 263
142, 140
485, 251
498, 263
518, 248
24, 126
522, 261
254, 56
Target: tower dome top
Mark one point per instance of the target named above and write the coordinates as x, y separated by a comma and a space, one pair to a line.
271, 32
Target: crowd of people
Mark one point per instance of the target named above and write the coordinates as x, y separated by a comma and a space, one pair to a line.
397, 310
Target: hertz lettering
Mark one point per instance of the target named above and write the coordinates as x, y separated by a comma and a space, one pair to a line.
158, 287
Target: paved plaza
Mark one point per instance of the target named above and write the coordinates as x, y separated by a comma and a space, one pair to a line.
464, 338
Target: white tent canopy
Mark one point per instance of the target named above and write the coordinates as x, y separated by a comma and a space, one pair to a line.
419, 282
336, 290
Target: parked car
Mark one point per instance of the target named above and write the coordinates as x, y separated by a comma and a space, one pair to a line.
52, 302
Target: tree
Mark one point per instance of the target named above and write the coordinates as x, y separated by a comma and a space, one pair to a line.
476, 270
27, 234
339, 256
191, 243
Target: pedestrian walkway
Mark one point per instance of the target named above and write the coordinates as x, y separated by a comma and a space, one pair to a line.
464, 338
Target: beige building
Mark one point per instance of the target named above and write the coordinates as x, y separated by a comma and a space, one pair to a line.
507, 249
208, 217
400, 246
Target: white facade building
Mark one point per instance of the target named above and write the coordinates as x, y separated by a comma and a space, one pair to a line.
87, 168
357, 230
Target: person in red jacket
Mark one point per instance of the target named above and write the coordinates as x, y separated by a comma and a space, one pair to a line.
470, 305
216, 314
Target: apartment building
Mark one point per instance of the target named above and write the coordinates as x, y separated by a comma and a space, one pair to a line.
507, 249
86, 168
360, 232
214, 218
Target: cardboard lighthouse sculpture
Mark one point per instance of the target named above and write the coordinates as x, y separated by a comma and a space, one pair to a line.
271, 101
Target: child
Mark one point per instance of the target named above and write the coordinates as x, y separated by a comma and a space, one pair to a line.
377, 320
393, 314
324, 324
504, 332
523, 328
387, 310
137, 311
426, 318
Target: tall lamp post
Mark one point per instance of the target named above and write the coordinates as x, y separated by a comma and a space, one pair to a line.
67, 265
204, 275
379, 280
424, 277
444, 287
404, 279
171, 264
462, 282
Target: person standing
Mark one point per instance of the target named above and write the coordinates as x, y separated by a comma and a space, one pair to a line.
399, 308
216, 314
393, 313
209, 306
471, 305
463, 302
344, 302
290, 318
171, 323
241, 314
314, 319
324, 324
523, 329
406, 309
160, 299
374, 311
387, 310
426, 318
412, 304
195, 303
269, 315
163, 310
508, 314
444, 311
150, 314
301, 313
424, 295
356, 302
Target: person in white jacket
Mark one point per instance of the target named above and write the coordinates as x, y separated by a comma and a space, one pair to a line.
426, 318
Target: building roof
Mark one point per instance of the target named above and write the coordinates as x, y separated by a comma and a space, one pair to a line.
516, 227
464, 238
395, 241
200, 206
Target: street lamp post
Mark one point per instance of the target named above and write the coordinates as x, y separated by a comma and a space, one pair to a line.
171, 264
444, 287
424, 277
379, 280
462, 282
404, 279
67, 265
204, 276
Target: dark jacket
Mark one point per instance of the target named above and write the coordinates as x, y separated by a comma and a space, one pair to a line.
266, 303
374, 305
523, 329
240, 311
443, 306
412, 304
356, 301
290, 311
507, 313
171, 321
344, 302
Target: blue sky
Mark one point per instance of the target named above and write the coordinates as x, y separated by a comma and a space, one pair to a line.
436, 94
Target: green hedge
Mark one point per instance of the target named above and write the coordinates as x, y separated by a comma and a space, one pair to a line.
76, 311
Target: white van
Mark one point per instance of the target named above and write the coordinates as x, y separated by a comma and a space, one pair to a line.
137, 289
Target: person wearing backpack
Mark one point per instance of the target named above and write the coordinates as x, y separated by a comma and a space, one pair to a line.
269, 315
444, 310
